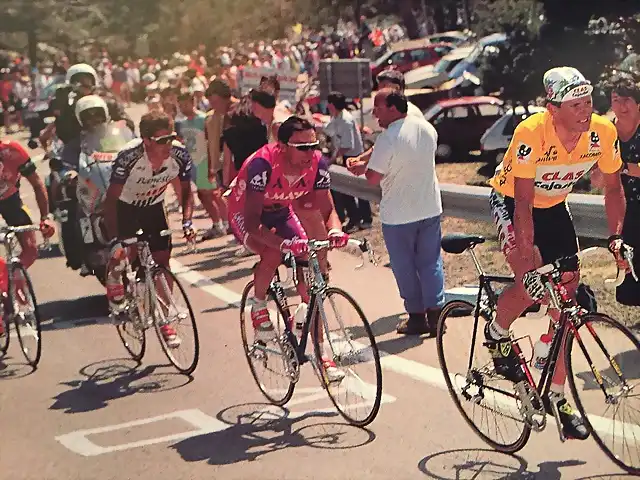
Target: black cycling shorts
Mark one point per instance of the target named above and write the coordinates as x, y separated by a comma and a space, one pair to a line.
151, 220
14, 212
553, 230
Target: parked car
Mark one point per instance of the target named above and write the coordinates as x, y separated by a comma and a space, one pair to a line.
405, 56
460, 123
495, 140
463, 59
454, 37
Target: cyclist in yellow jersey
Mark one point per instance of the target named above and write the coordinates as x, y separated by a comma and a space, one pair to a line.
549, 152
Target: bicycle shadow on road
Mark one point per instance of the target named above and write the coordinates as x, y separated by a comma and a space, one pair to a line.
259, 429
109, 380
12, 369
488, 464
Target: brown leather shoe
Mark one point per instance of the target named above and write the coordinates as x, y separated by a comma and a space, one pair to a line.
416, 324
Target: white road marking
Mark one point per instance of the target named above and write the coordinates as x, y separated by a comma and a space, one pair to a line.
409, 368
78, 442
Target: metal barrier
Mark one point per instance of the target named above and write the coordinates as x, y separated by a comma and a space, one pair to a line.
472, 203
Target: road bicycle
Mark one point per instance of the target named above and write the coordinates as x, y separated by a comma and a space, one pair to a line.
349, 346
155, 297
601, 357
18, 305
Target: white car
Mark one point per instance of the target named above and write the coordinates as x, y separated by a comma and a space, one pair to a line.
495, 140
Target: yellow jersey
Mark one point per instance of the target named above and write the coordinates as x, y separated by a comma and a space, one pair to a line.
536, 152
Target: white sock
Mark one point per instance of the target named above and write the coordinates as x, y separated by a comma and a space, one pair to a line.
497, 332
557, 391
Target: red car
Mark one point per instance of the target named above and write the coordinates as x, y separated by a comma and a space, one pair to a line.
405, 56
461, 122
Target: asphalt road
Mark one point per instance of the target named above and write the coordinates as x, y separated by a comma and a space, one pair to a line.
89, 412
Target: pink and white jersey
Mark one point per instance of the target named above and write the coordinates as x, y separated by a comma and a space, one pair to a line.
263, 174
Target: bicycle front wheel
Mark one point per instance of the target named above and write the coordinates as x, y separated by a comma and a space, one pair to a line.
270, 369
5, 324
603, 361
173, 314
342, 334
26, 316
487, 401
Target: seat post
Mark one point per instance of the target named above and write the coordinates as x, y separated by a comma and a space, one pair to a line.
475, 261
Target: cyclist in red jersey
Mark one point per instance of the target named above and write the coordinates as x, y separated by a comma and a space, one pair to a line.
261, 213
15, 164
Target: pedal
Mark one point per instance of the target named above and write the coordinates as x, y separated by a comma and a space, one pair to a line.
556, 414
531, 406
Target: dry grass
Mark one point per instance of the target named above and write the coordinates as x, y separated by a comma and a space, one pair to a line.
459, 269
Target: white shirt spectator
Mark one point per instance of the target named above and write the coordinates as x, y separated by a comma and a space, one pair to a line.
414, 111
344, 131
405, 155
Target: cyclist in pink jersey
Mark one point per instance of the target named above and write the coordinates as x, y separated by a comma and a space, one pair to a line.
261, 213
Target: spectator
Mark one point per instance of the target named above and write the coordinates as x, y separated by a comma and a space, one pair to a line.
403, 163
395, 80
347, 143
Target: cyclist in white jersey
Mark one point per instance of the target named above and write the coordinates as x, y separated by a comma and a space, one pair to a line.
141, 173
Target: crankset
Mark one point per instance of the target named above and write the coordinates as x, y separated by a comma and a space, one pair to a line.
531, 406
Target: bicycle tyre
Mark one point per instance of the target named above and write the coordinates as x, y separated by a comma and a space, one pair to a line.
448, 309
190, 367
610, 323
5, 339
335, 291
135, 354
278, 401
32, 357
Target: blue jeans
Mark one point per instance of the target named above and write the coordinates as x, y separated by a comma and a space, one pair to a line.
416, 261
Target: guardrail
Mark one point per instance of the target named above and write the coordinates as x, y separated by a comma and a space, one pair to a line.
472, 203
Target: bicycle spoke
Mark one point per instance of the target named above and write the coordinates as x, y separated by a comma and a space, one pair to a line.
599, 362
486, 401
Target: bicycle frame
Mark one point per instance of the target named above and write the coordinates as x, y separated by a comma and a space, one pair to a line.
569, 320
317, 287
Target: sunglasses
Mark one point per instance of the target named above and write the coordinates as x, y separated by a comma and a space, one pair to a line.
304, 147
164, 139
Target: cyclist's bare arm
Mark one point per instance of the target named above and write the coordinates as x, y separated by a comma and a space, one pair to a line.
524, 192
227, 166
614, 202
324, 202
110, 209
252, 220
187, 200
40, 191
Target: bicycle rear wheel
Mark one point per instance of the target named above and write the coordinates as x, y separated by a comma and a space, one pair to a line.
347, 339
6, 325
607, 359
172, 308
26, 316
268, 361
485, 399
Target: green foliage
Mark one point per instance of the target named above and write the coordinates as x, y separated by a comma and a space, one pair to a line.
497, 15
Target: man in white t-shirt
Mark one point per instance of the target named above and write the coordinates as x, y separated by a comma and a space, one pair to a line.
403, 164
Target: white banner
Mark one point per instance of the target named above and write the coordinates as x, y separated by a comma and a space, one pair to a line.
250, 78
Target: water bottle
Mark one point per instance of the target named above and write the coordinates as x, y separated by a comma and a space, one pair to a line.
299, 316
541, 351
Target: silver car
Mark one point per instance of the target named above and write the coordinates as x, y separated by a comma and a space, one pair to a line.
495, 140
